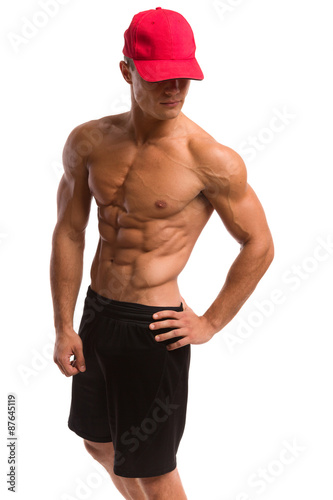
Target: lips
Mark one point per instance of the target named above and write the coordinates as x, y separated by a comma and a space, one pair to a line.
170, 103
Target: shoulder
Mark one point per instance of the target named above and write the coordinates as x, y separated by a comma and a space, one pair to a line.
85, 137
214, 161
93, 131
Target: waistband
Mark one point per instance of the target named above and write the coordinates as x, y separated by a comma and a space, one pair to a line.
129, 311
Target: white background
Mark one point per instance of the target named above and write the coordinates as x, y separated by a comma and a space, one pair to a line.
266, 379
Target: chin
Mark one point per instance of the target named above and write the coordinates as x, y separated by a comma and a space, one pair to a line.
169, 116
171, 113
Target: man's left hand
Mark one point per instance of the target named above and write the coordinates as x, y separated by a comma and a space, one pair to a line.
194, 329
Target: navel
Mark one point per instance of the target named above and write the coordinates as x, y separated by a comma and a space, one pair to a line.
161, 204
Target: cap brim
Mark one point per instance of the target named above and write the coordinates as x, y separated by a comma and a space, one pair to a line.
159, 70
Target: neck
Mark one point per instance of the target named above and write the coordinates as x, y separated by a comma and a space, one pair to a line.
146, 127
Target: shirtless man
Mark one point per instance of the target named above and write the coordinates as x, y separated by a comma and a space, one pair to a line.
156, 177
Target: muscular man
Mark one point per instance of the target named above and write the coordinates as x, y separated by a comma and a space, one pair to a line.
156, 177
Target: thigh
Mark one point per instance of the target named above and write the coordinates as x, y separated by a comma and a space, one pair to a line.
166, 486
89, 413
102, 449
147, 397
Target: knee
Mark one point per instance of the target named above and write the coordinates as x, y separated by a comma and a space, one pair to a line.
151, 487
98, 451
91, 448
152, 494
166, 486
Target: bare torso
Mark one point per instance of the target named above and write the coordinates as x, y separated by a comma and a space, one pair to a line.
156, 177
150, 211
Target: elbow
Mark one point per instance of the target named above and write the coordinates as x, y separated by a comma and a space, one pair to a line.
272, 251
268, 251
77, 237
263, 246
270, 248
63, 234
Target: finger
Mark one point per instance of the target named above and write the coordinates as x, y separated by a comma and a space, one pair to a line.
73, 364
166, 314
168, 335
168, 323
69, 366
65, 365
79, 359
177, 345
57, 362
60, 368
68, 371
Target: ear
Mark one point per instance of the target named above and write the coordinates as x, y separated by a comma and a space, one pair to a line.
126, 72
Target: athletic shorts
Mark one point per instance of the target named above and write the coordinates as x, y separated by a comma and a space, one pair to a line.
134, 391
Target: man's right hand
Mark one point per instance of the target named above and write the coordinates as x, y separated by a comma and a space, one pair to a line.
65, 346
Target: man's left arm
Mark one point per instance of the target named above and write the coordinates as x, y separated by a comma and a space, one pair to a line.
241, 212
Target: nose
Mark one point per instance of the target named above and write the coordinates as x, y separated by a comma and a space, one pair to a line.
172, 87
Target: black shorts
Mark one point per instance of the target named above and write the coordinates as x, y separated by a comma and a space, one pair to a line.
134, 391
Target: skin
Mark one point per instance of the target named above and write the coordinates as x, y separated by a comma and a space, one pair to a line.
156, 177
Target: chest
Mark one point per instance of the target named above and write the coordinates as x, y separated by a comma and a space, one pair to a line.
151, 182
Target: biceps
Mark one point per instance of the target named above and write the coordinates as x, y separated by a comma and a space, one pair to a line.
74, 201
243, 216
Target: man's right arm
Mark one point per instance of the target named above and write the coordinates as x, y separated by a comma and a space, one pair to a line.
66, 266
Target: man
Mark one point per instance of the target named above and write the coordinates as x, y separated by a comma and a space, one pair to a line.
156, 177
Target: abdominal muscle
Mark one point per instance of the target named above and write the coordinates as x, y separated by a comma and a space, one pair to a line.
141, 262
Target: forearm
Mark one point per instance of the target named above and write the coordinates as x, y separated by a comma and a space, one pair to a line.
66, 269
242, 278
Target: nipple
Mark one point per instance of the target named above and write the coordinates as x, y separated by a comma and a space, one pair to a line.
161, 203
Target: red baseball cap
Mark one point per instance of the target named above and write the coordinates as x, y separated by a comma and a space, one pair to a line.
161, 44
